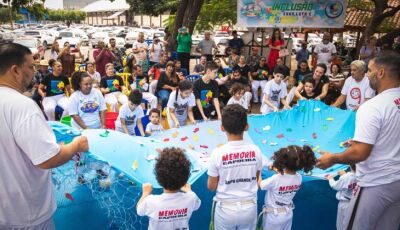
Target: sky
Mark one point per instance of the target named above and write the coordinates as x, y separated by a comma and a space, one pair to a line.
53, 4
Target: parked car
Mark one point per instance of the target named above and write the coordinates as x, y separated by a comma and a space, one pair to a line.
131, 38
69, 36
99, 36
7, 37
31, 42
44, 37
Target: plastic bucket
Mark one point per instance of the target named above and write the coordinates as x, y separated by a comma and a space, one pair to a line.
66, 120
110, 119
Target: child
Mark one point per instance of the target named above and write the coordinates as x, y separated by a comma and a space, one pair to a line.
233, 171
173, 208
154, 124
282, 187
275, 92
93, 74
238, 91
344, 187
308, 92
291, 89
130, 114
180, 105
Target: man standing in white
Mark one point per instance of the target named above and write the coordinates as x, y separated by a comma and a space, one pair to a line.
325, 51
233, 171
376, 150
356, 89
28, 147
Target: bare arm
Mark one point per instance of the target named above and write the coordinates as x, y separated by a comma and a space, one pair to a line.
341, 99
324, 92
212, 183
78, 120
269, 103
218, 108
298, 91
200, 107
140, 127
173, 117
103, 119
42, 90
190, 114
124, 127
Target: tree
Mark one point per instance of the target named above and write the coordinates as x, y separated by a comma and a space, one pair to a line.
67, 16
37, 10
5, 15
15, 5
216, 12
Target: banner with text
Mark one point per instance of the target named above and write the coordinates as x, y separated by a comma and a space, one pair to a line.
292, 13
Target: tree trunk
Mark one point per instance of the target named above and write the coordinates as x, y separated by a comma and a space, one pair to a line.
191, 14
10, 12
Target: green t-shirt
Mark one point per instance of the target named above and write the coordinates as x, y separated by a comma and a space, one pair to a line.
184, 43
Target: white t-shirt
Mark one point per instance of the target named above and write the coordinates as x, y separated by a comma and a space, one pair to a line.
96, 78
130, 117
180, 106
154, 128
156, 55
243, 102
138, 45
275, 93
87, 107
324, 52
169, 210
378, 124
26, 140
356, 92
236, 164
344, 186
281, 189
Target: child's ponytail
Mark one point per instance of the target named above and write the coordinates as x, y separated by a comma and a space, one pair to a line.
307, 158
294, 158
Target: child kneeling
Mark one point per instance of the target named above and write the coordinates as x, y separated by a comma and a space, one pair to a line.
130, 114
283, 186
172, 172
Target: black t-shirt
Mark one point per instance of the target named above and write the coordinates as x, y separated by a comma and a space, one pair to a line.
164, 80
114, 83
205, 92
221, 72
55, 85
244, 70
318, 88
263, 72
299, 75
287, 70
308, 97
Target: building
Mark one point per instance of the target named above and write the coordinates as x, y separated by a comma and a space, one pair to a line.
76, 4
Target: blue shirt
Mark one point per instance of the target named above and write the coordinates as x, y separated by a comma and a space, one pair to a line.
302, 55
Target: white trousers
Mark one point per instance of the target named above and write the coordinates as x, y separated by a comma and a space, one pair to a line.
290, 96
152, 100
112, 99
254, 88
278, 221
50, 103
235, 216
153, 87
45, 225
341, 214
247, 97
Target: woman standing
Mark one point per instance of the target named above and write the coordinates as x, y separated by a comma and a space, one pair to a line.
184, 40
67, 60
113, 88
370, 50
87, 106
275, 43
167, 82
55, 49
54, 87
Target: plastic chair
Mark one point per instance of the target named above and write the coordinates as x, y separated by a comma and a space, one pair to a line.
184, 71
192, 78
174, 56
110, 119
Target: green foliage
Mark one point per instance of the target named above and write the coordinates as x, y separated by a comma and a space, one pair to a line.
153, 7
67, 16
5, 15
361, 4
169, 22
216, 12
37, 10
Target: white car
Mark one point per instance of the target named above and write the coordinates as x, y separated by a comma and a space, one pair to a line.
69, 36
44, 37
131, 38
219, 35
31, 42
99, 36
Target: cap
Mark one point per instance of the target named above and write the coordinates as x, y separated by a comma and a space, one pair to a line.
44, 63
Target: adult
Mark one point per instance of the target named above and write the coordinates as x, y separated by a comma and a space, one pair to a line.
130, 63
27, 198
302, 71
113, 88
53, 90
243, 68
325, 51
356, 89
254, 57
155, 72
236, 43
184, 40
303, 54
275, 43
233, 59
336, 81
102, 56
259, 76
167, 83
156, 48
117, 54
55, 49
140, 80
87, 106
200, 68
321, 83
140, 50
67, 60
206, 46
369, 50
375, 149
96, 77
205, 90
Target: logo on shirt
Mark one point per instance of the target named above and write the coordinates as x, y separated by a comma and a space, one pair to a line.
180, 109
397, 102
113, 85
129, 120
289, 189
352, 186
172, 214
355, 93
89, 107
232, 158
205, 98
275, 95
57, 87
